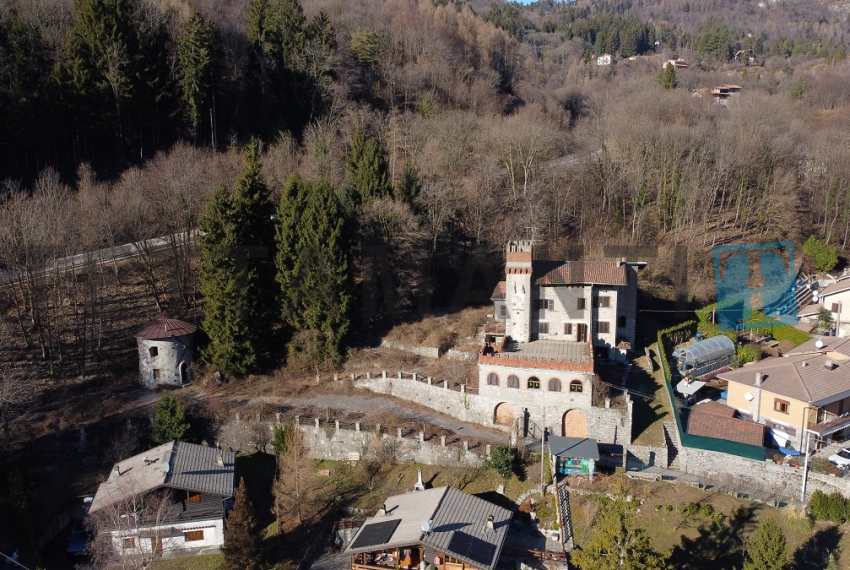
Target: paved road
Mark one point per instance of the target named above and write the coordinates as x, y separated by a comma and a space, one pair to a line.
100, 256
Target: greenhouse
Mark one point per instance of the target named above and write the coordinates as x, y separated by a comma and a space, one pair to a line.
704, 356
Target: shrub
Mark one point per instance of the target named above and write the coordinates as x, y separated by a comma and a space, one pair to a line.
741, 514
832, 507
749, 353
502, 460
718, 518
706, 510
796, 336
170, 420
825, 257
819, 464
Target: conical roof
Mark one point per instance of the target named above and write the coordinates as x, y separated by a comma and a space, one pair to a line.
162, 327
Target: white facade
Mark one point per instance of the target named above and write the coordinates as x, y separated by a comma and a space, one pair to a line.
173, 537
604, 59
558, 387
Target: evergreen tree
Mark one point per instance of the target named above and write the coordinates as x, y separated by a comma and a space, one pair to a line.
242, 544
313, 264
366, 169
195, 52
237, 271
767, 548
668, 77
410, 184
170, 421
618, 543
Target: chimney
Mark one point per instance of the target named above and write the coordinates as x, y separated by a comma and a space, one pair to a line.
116, 473
382, 512
829, 364
220, 460
490, 525
420, 484
758, 378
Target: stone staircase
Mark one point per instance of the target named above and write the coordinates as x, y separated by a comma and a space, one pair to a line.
564, 516
674, 446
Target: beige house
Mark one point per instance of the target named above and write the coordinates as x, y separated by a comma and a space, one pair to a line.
835, 298
802, 390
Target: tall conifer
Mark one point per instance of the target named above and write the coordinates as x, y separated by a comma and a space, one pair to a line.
242, 547
195, 52
237, 271
366, 169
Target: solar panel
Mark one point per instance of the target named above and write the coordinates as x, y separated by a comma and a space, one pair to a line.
472, 548
376, 533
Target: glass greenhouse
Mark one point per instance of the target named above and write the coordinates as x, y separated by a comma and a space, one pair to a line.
704, 356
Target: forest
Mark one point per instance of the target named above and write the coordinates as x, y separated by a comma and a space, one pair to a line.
423, 134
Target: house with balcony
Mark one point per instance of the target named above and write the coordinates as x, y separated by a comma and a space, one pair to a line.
171, 498
724, 93
835, 298
807, 390
445, 527
556, 320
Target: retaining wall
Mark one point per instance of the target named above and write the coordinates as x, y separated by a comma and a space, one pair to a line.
426, 351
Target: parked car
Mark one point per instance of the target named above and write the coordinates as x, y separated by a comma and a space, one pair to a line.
79, 540
842, 458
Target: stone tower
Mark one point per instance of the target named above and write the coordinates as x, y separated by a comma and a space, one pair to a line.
165, 352
518, 293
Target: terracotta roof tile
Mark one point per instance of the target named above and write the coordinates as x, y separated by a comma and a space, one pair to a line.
580, 272
162, 327
704, 421
499, 291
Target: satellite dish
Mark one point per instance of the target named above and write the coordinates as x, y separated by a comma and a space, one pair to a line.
814, 297
748, 397
819, 343
426, 526
166, 467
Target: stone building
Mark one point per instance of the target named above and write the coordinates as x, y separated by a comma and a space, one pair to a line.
165, 352
560, 318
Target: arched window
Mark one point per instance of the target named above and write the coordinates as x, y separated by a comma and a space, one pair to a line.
576, 386
534, 383
513, 381
554, 385
492, 379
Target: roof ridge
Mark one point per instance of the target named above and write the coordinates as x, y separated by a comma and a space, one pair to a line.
170, 472
802, 382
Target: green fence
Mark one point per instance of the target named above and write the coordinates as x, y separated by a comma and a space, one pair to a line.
699, 441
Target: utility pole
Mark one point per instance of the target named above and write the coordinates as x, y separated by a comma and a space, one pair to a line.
542, 458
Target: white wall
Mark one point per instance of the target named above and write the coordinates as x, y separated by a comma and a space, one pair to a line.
174, 541
531, 397
170, 353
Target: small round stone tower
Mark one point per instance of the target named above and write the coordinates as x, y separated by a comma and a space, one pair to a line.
165, 352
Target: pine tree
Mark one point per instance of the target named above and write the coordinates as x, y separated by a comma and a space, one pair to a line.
617, 543
242, 546
668, 78
237, 271
410, 184
767, 548
195, 52
170, 421
289, 242
366, 169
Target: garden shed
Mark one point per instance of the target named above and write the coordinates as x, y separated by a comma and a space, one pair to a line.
574, 455
705, 356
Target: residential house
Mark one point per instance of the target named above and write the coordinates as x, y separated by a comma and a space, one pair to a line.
723, 93
834, 297
170, 498
604, 59
713, 419
165, 352
804, 390
443, 526
560, 319
677, 64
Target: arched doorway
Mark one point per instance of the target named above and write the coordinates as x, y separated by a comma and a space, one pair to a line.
184, 373
504, 415
575, 424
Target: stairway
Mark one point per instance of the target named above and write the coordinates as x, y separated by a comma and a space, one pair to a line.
671, 440
564, 515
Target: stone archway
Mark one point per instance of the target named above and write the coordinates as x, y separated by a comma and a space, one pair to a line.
504, 414
574, 424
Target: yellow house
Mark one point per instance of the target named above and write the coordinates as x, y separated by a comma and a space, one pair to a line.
795, 392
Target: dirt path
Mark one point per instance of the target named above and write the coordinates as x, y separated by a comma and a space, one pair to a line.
366, 403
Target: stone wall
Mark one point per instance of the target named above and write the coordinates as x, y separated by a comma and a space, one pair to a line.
649, 455
426, 351
719, 468
344, 445
607, 425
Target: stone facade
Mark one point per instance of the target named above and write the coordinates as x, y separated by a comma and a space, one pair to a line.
165, 361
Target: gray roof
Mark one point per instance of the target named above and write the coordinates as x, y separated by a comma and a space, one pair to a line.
176, 464
458, 525
573, 447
